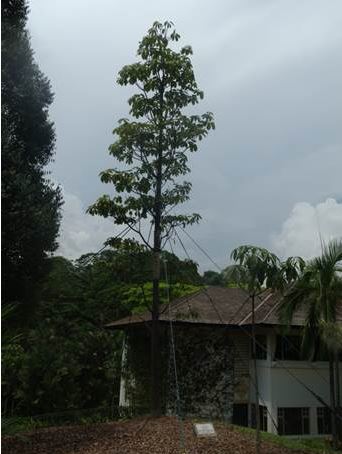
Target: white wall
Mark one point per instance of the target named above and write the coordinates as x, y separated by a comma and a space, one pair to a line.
280, 385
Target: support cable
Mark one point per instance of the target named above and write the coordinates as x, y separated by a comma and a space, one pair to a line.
207, 255
173, 352
245, 362
201, 249
122, 234
224, 324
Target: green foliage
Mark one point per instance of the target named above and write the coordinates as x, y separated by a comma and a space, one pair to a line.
64, 362
30, 202
140, 297
308, 445
317, 291
67, 360
74, 363
256, 268
213, 278
331, 334
62, 282
154, 144
181, 271
285, 273
12, 359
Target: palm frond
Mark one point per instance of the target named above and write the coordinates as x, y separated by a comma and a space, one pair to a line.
298, 294
7, 310
332, 252
331, 334
317, 291
237, 274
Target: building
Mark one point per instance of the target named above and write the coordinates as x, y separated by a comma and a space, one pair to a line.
212, 337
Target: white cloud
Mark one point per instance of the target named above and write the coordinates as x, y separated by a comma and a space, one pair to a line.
81, 233
300, 233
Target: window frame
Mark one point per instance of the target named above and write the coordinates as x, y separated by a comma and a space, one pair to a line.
287, 423
263, 413
287, 348
323, 416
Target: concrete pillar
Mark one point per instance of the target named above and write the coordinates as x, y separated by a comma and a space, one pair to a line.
272, 417
272, 421
313, 421
123, 398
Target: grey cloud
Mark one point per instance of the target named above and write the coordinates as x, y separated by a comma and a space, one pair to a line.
271, 73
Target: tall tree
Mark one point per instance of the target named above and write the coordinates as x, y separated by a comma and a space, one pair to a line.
317, 291
30, 202
153, 148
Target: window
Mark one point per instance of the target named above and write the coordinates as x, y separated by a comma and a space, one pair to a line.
293, 421
288, 348
260, 347
263, 417
240, 414
323, 420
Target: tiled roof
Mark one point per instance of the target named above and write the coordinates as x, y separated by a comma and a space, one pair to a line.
217, 306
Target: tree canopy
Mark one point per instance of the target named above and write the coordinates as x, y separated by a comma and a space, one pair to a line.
30, 202
67, 360
153, 146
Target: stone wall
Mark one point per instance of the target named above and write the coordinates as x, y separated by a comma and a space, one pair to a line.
205, 370
205, 366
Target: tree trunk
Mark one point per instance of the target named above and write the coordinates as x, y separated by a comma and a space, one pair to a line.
256, 384
332, 401
337, 381
338, 397
155, 340
155, 335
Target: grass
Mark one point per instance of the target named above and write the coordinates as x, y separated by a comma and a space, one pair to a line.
19, 425
314, 445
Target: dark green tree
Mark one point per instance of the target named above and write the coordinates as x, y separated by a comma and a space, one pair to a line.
67, 359
152, 148
213, 278
30, 202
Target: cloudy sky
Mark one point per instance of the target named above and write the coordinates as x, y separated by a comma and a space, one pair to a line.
271, 71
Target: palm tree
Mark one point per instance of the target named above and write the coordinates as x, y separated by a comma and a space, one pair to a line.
332, 338
254, 267
255, 270
317, 291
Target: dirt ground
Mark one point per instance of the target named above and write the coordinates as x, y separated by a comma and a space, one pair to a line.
143, 435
